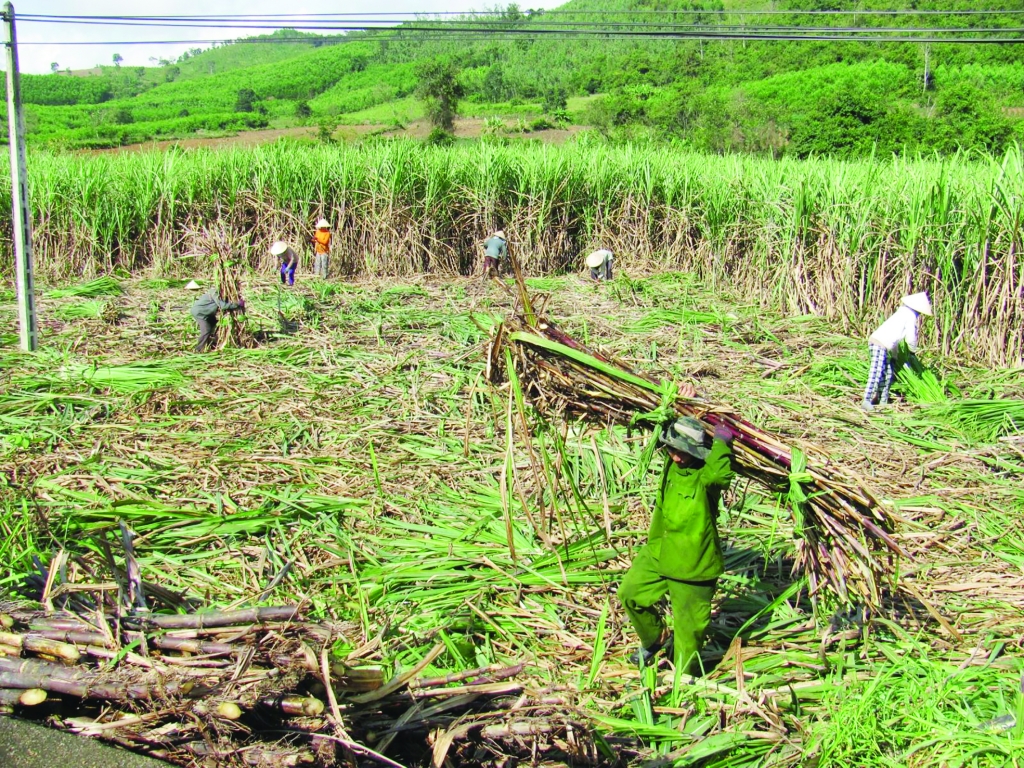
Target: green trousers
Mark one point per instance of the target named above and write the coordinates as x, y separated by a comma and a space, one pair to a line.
643, 588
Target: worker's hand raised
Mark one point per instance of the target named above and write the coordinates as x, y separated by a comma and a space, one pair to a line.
687, 390
724, 434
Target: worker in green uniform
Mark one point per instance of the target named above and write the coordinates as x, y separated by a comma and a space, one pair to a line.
683, 554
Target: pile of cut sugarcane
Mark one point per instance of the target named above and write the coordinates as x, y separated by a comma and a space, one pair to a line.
260, 686
227, 268
844, 542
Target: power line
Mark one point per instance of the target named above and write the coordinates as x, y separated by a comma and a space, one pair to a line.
536, 13
365, 24
559, 35
371, 22
468, 25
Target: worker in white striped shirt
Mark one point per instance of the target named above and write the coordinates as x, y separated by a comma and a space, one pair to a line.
899, 328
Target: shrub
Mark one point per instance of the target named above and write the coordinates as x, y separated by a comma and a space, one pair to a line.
439, 137
966, 117
561, 117
325, 132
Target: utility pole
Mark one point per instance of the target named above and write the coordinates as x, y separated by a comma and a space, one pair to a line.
21, 212
927, 63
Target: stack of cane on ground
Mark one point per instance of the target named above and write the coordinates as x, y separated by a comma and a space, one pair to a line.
259, 686
228, 270
845, 544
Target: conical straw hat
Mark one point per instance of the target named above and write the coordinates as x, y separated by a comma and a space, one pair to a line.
918, 302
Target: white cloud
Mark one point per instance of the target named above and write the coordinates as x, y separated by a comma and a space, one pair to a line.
48, 41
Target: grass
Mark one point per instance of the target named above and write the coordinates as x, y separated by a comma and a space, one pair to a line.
101, 286
401, 111
82, 309
360, 447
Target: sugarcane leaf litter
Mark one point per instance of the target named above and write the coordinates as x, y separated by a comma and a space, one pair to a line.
362, 455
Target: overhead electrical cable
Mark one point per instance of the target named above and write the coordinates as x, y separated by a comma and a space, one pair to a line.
536, 13
493, 25
361, 24
568, 35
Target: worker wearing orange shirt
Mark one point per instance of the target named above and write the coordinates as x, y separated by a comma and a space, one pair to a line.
321, 248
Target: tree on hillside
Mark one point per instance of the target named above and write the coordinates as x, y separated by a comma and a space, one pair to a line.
54, 66
512, 14
554, 99
440, 89
494, 86
246, 100
118, 58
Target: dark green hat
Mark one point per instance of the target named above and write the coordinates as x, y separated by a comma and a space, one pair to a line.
686, 435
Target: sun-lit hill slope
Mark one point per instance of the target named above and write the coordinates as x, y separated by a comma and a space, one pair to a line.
773, 96
256, 51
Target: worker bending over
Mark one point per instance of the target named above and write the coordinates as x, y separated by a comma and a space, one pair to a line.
683, 554
600, 263
205, 309
885, 341
289, 261
495, 248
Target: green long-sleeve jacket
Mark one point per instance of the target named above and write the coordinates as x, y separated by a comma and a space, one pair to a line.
683, 539
208, 304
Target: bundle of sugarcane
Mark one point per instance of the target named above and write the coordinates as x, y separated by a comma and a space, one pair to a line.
844, 533
228, 684
227, 268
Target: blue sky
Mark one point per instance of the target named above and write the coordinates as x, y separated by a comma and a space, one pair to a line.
41, 44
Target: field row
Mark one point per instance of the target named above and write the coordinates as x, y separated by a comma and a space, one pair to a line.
839, 239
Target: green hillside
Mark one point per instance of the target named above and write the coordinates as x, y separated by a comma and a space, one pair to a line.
200, 63
780, 97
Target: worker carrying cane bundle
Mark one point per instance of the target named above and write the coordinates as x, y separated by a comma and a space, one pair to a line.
683, 555
900, 327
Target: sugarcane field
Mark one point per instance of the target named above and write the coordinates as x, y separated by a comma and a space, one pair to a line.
406, 456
